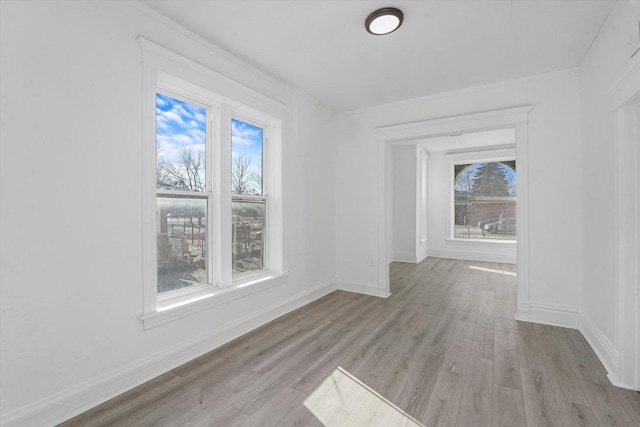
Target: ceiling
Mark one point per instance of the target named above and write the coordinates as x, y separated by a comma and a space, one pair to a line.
321, 47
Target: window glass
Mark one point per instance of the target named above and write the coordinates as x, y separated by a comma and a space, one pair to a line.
248, 235
180, 145
246, 158
182, 242
485, 200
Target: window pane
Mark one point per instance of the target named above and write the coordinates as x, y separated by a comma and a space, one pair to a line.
182, 240
247, 236
485, 201
246, 158
180, 144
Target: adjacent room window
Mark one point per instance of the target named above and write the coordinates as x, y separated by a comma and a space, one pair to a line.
485, 200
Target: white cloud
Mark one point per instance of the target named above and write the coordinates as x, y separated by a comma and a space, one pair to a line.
245, 135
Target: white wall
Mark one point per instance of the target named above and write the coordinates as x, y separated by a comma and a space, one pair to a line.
403, 176
555, 181
602, 67
71, 208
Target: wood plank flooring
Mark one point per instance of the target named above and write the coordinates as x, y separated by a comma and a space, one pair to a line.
444, 348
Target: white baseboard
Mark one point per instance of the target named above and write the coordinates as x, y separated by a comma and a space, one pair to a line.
422, 255
405, 257
471, 256
410, 258
549, 314
75, 400
604, 349
573, 317
368, 288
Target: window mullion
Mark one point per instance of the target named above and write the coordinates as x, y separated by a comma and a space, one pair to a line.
224, 192
212, 136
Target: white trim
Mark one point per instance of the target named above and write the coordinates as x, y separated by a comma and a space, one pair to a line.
210, 299
422, 253
471, 256
625, 94
460, 92
515, 117
422, 203
466, 123
213, 50
602, 347
77, 399
360, 287
406, 257
224, 98
549, 314
487, 243
227, 90
627, 84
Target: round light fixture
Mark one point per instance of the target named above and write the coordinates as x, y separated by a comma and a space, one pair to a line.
384, 21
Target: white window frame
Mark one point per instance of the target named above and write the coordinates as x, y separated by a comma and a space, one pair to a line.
266, 129
468, 159
166, 72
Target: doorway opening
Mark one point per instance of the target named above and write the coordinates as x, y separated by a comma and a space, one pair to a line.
514, 119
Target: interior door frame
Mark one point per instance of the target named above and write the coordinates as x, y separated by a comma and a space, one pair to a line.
625, 95
515, 118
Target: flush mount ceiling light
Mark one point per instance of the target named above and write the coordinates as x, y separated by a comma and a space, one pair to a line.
384, 21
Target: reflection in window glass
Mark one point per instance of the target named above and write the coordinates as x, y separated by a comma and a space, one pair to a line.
485, 201
181, 232
180, 145
246, 158
247, 236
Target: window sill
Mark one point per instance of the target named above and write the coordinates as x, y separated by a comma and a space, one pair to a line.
495, 243
214, 297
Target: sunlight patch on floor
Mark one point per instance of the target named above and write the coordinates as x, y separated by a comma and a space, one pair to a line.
491, 270
342, 400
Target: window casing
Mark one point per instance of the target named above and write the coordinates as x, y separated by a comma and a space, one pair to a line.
190, 227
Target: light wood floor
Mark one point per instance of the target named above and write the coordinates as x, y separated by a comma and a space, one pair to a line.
444, 348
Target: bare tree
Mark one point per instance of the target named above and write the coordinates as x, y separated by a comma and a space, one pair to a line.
186, 173
162, 177
242, 178
256, 180
464, 180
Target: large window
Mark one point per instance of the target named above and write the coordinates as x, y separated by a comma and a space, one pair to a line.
485, 200
185, 178
212, 188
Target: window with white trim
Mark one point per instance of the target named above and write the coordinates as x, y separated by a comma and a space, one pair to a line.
485, 200
212, 199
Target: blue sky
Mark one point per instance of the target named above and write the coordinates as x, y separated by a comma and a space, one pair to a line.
509, 173
180, 124
246, 140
